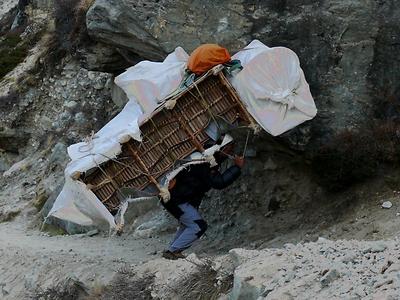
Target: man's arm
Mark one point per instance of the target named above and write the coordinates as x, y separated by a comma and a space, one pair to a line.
220, 181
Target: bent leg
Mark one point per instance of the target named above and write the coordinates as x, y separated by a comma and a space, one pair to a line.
195, 227
179, 231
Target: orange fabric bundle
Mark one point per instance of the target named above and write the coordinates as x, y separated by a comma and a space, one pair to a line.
207, 56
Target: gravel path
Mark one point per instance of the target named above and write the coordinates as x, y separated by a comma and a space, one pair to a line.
31, 259
321, 270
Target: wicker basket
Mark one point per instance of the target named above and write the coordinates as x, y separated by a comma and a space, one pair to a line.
168, 135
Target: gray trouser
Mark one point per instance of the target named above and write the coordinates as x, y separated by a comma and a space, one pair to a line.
192, 227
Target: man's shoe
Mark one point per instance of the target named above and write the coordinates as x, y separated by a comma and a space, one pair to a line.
173, 255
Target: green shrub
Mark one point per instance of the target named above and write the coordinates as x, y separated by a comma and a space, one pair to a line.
10, 59
12, 52
11, 40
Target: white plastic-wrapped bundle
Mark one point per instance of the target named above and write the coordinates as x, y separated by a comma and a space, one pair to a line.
148, 83
76, 203
273, 87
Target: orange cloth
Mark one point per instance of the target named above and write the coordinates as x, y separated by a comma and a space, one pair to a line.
206, 56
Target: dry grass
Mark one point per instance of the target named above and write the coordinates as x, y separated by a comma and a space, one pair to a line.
125, 286
204, 284
8, 216
71, 289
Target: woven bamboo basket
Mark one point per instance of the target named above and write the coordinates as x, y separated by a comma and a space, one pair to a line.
168, 135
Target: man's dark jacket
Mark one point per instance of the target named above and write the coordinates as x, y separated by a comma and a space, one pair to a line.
193, 182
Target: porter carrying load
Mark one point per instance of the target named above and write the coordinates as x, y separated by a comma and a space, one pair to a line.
165, 125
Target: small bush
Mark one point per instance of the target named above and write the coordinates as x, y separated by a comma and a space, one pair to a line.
80, 13
70, 16
205, 284
12, 52
9, 60
353, 156
79, 35
64, 14
124, 286
71, 289
11, 40
8, 216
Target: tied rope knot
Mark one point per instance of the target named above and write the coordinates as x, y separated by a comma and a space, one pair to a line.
170, 104
289, 99
88, 143
255, 127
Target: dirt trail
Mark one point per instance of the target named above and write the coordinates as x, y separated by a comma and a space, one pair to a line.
29, 259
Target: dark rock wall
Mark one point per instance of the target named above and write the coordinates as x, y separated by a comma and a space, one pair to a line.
348, 49
384, 75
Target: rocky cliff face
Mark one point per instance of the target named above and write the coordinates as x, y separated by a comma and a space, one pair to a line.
346, 48
55, 97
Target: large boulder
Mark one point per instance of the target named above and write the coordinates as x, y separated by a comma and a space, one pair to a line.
106, 58
346, 48
153, 28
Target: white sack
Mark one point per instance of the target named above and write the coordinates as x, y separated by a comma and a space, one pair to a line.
273, 87
106, 143
148, 83
76, 203
145, 84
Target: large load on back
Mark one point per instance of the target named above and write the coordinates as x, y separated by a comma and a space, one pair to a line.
170, 117
168, 136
